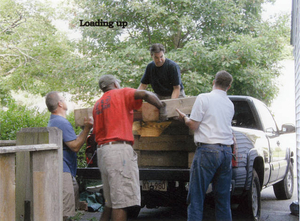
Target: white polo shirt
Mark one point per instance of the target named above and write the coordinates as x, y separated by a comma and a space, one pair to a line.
214, 111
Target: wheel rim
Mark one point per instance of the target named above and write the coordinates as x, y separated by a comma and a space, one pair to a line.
289, 181
254, 199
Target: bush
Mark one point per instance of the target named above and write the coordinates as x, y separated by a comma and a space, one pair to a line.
18, 116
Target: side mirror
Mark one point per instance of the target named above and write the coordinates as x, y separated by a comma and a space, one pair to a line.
287, 128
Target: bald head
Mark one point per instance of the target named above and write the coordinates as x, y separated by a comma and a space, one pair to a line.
52, 99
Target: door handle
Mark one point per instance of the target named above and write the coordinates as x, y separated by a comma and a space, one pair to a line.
278, 143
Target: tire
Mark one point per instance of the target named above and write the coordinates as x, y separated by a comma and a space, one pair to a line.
284, 189
252, 202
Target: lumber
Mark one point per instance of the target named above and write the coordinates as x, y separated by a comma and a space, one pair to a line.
162, 158
184, 143
148, 112
149, 129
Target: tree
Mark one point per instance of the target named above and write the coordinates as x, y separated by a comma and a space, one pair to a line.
34, 56
202, 36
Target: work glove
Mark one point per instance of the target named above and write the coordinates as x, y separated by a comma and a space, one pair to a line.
163, 113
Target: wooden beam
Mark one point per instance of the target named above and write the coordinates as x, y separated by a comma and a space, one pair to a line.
149, 129
151, 113
80, 114
6, 143
162, 158
148, 112
25, 148
184, 143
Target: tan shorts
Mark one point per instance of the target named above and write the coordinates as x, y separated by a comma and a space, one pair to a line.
70, 194
120, 175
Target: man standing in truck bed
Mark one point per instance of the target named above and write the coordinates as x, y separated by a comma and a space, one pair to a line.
113, 119
210, 120
163, 74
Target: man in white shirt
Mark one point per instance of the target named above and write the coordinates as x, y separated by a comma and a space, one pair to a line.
211, 122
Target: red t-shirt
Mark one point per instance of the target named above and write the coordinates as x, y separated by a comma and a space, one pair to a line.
113, 115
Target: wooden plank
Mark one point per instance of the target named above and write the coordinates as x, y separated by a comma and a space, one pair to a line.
162, 158
148, 111
185, 105
183, 143
24, 148
7, 190
80, 114
46, 170
151, 113
6, 143
24, 173
149, 129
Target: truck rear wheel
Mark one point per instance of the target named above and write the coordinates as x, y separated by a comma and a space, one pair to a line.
252, 203
284, 189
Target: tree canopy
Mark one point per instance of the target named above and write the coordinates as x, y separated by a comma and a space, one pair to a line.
203, 37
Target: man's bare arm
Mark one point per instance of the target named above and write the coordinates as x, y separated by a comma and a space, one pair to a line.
176, 92
150, 97
142, 86
193, 125
75, 145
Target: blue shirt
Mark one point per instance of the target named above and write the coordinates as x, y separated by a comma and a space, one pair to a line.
69, 157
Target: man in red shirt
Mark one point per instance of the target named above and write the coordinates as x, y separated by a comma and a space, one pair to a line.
113, 119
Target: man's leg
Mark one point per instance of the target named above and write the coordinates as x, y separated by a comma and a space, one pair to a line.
221, 185
68, 196
76, 192
201, 173
105, 216
119, 215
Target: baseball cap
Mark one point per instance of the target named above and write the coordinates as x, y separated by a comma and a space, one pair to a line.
106, 80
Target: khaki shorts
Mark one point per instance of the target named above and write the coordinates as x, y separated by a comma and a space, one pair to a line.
120, 175
70, 195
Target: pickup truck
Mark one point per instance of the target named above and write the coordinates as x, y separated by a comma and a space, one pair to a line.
165, 152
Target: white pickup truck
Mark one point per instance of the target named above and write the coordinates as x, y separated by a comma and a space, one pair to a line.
166, 149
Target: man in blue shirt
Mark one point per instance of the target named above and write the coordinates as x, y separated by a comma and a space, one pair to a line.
56, 104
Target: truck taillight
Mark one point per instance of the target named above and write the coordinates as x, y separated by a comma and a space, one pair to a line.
234, 152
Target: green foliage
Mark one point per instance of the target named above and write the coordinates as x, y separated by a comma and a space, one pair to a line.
34, 56
203, 37
17, 117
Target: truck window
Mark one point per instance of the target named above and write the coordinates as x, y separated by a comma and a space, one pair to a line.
243, 116
266, 117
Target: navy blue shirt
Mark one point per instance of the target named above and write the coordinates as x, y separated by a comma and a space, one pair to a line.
69, 157
162, 79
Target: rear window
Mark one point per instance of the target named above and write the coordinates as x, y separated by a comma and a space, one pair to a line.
243, 116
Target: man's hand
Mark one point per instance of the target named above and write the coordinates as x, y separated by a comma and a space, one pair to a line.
181, 115
163, 116
88, 122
